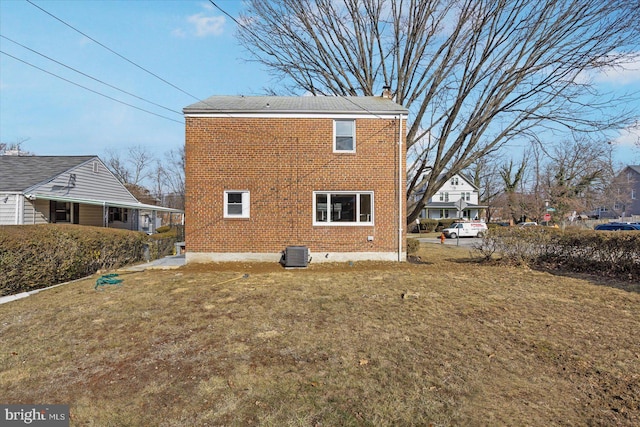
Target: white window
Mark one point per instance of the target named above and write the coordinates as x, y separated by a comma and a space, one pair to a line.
236, 204
454, 180
343, 208
633, 194
444, 196
344, 136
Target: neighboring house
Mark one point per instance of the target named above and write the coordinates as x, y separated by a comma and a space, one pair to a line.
69, 189
633, 178
457, 198
266, 173
629, 206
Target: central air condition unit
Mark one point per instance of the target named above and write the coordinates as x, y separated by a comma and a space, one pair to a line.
295, 256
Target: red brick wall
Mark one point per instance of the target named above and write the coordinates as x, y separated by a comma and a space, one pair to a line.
281, 161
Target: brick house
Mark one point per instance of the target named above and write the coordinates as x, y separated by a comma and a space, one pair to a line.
266, 173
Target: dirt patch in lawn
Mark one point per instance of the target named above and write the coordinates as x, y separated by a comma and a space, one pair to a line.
439, 342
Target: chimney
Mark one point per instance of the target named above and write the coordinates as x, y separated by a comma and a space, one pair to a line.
386, 92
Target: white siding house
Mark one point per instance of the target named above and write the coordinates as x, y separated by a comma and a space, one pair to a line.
457, 198
69, 189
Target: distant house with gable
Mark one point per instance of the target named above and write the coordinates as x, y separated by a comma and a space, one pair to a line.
70, 189
457, 198
632, 175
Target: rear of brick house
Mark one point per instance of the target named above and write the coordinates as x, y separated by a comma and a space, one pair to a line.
266, 173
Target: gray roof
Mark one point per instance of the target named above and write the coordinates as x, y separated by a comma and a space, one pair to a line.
296, 104
635, 168
18, 173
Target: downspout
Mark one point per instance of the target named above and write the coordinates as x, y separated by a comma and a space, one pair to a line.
400, 192
19, 209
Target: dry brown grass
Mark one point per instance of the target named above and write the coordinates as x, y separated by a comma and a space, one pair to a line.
445, 342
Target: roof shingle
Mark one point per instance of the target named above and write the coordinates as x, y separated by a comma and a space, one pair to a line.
296, 104
18, 173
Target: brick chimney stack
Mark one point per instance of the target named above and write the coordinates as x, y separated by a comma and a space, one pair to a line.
386, 92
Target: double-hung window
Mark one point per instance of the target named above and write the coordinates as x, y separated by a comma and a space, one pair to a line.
343, 208
344, 139
236, 204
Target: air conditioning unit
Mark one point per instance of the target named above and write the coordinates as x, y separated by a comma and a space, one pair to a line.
295, 256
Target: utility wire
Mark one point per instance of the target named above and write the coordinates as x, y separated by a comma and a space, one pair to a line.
92, 78
114, 52
90, 90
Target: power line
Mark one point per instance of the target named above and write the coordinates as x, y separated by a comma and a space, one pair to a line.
93, 78
113, 51
90, 90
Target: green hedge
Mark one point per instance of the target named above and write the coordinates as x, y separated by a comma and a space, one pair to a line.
37, 256
615, 254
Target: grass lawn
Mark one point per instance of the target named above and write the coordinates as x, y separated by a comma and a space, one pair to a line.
444, 342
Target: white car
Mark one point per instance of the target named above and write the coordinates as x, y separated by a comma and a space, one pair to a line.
466, 229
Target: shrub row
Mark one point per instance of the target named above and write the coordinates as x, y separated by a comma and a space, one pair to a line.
605, 253
37, 256
431, 225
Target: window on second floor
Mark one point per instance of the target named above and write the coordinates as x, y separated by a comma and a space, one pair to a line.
454, 180
344, 136
633, 194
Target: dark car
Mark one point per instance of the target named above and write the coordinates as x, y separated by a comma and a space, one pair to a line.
617, 226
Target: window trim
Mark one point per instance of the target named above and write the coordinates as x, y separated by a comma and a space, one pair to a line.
245, 204
356, 223
335, 135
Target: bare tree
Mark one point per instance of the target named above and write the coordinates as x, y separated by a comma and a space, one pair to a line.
486, 176
170, 178
135, 168
14, 148
474, 74
513, 182
150, 180
580, 176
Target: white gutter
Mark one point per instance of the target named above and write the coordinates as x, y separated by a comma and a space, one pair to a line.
115, 204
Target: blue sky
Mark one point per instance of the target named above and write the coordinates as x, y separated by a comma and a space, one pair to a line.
190, 44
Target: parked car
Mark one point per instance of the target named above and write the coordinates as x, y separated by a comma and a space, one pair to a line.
466, 229
617, 226
527, 224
